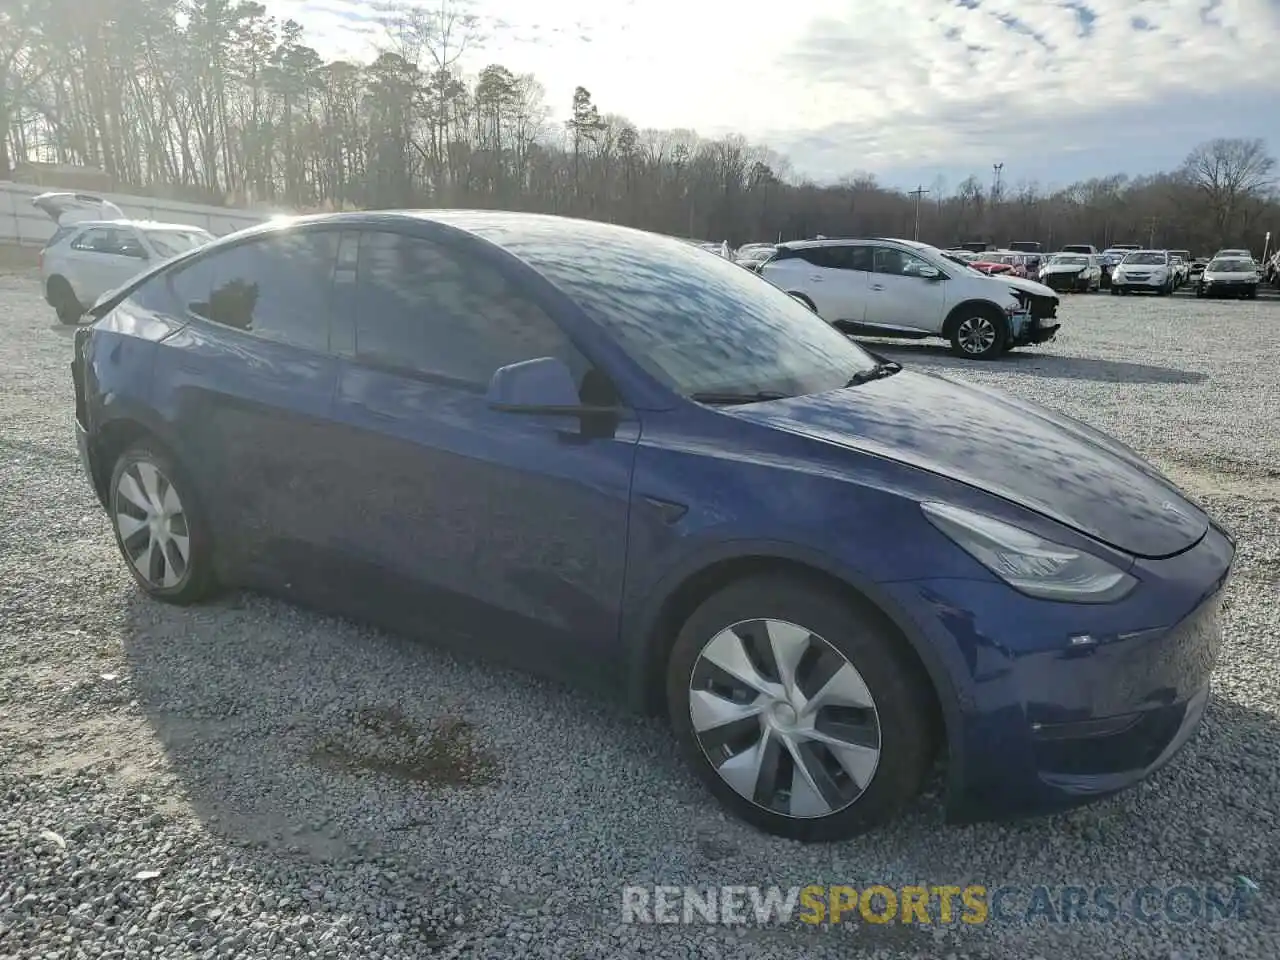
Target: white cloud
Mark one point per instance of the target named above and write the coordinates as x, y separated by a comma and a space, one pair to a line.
901, 83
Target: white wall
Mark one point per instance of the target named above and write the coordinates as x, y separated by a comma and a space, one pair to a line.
23, 224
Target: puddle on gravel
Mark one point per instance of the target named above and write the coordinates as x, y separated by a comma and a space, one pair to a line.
384, 741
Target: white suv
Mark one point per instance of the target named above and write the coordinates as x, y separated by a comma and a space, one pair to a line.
96, 249
1150, 270
899, 288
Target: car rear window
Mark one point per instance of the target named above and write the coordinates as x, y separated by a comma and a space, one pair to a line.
58, 236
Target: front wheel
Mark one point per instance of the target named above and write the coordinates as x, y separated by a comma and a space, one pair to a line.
159, 527
800, 713
65, 302
980, 334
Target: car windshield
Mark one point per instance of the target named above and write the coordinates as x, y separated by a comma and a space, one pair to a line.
1231, 266
1145, 259
1070, 260
696, 323
170, 243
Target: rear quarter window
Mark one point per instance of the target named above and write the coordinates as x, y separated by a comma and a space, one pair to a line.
59, 236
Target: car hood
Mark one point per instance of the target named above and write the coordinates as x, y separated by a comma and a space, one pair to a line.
1028, 286
1009, 447
1063, 268
1232, 275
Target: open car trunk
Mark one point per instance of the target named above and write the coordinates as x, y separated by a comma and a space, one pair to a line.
65, 208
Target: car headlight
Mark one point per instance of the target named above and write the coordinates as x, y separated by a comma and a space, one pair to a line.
1027, 562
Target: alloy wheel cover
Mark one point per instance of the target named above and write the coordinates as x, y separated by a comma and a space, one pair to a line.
152, 525
784, 718
977, 334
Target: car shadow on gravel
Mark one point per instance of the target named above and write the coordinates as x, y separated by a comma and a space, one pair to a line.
315, 744
1027, 362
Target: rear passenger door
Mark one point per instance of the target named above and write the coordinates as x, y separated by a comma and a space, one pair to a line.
504, 529
839, 277
248, 385
105, 258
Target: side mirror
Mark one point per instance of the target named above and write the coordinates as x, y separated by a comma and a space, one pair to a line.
928, 273
541, 386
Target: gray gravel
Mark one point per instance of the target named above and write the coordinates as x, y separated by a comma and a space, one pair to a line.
248, 779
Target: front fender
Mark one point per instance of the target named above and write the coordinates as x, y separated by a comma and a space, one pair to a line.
645, 646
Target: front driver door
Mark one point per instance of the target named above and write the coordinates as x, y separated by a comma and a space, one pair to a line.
898, 297
499, 529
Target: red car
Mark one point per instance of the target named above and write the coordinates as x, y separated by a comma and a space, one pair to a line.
996, 264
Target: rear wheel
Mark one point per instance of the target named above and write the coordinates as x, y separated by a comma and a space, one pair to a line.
159, 526
798, 711
64, 300
980, 333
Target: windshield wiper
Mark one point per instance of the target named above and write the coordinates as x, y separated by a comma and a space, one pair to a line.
885, 368
725, 399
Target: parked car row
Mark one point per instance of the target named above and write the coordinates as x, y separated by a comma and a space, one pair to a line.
610, 457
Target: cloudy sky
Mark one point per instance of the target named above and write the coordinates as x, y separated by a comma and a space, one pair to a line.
911, 90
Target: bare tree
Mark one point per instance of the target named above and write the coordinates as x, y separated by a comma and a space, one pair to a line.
1230, 173
214, 100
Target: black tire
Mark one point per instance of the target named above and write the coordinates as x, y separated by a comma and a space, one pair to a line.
1115, 291
903, 702
196, 581
64, 301
990, 315
1252, 294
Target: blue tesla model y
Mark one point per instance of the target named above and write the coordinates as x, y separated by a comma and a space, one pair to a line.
617, 459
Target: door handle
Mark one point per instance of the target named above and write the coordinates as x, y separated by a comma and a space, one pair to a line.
815, 278
877, 286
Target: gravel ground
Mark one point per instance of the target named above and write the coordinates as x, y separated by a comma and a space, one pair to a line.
248, 779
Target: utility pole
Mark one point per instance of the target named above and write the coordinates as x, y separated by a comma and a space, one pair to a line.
918, 192
996, 169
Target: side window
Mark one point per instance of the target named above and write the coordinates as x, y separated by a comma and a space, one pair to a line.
278, 287
110, 240
860, 258
826, 257
839, 258
897, 262
93, 241
128, 245
422, 306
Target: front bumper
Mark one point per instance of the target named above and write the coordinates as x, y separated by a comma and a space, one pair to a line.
1228, 288
85, 449
1065, 282
1024, 329
1145, 283
1041, 724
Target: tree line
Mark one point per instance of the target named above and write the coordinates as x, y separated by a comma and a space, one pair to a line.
212, 100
